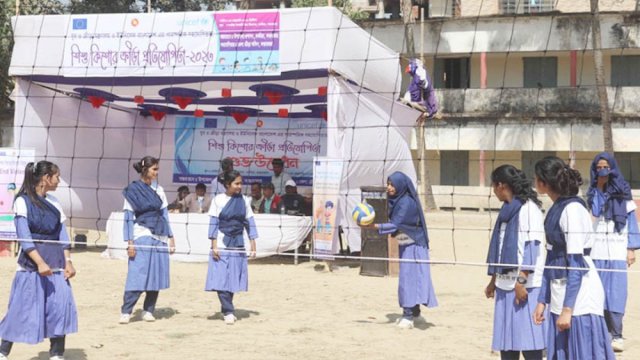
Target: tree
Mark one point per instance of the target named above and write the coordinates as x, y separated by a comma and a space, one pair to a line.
344, 6
600, 81
102, 6
185, 5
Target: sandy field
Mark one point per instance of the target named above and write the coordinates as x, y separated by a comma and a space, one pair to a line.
296, 311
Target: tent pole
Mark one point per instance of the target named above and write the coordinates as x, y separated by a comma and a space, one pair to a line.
422, 35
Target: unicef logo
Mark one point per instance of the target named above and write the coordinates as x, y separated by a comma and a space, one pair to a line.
201, 21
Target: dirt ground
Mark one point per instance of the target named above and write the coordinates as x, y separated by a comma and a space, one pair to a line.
296, 311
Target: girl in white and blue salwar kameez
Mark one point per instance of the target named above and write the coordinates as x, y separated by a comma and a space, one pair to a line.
571, 286
41, 303
516, 242
407, 225
231, 215
150, 240
615, 240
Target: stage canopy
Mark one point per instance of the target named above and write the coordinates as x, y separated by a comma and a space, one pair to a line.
97, 92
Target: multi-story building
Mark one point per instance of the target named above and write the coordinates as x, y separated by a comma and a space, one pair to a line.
516, 82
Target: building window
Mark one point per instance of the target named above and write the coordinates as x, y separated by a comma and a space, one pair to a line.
540, 72
629, 165
529, 160
454, 168
526, 6
442, 8
451, 73
624, 70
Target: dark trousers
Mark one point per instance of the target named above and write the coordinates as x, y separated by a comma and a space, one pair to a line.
56, 348
131, 298
515, 355
614, 323
410, 312
226, 302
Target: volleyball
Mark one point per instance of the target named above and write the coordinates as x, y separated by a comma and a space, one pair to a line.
363, 214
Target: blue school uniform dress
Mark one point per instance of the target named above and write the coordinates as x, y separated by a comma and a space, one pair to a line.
568, 231
407, 223
230, 215
516, 239
40, 306
147, 224
615, 230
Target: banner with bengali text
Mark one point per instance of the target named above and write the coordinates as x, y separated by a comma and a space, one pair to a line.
327, 176
12, 164
173, 44
200, 144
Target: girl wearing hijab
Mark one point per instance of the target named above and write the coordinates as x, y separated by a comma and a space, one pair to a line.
41, 303
147, 229
231, 215
516, 240
407, 225
571, 286
616, 238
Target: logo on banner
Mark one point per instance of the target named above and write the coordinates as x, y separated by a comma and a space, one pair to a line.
80, 24
210, 123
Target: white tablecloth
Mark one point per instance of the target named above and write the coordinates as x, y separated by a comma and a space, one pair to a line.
276, 234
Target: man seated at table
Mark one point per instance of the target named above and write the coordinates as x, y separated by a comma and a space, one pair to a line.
198, 202
256, 197
294, 203
270, 200
178, 205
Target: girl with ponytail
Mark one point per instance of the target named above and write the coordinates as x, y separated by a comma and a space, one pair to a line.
516, 266
571, 288
148, 232
41, 303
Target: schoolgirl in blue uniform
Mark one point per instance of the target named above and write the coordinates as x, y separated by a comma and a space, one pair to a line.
408, 226
516, 240
230, 214
616, 238
148, 232
577, 328
41, 303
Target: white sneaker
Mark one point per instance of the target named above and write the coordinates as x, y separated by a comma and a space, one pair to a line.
617, 345
124, 318
57, 357
405, 324
147, 316
230, 319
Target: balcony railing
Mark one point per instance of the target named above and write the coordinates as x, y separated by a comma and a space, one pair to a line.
548, 102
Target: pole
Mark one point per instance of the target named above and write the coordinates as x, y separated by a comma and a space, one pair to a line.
149, 6
422, 35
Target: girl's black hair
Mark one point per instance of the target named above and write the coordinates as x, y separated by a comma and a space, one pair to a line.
229, 177
33, 173
143, 166
517, 181
558, 176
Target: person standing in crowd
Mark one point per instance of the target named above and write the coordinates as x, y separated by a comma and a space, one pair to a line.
148, 232
408, 226
280, 177
41, 303
230, 215
271, 201
200, 201
577, 329
217, 187
256, 197
616, 238
516, 240
178, 204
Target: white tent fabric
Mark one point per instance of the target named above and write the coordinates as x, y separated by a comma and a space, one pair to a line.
371, 133
94, 147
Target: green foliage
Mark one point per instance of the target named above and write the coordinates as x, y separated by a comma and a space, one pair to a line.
344, 5
102, 6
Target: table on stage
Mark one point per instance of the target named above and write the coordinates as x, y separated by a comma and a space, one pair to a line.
276, 234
